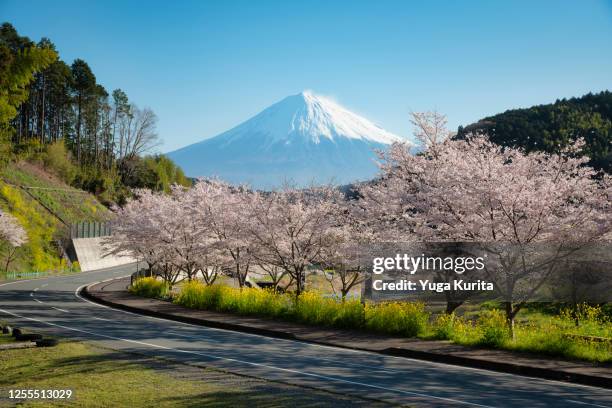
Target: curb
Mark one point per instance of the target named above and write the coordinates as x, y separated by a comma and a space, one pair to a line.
523, 370
191, 320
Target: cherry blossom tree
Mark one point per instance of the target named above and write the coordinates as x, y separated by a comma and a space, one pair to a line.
340, 256
473, 190
163, 231
13, 234
225, 210
292, 226
143, 228
276, 276
188, 233
430, 129
195, 247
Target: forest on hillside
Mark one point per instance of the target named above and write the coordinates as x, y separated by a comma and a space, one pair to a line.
553, 126
57, 113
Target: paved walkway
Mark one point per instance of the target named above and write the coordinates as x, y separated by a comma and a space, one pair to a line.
115, 293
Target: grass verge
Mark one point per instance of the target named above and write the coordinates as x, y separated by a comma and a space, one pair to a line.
554, 335
407, 319
103, 378
546, 334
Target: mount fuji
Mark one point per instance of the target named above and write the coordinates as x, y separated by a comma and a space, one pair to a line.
302, 139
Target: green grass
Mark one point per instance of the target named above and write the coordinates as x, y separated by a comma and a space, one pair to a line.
534, 332
66, 202
104, 378
94, 379
67, 271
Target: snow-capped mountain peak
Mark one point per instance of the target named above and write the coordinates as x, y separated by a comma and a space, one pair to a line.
308, 117
303, 138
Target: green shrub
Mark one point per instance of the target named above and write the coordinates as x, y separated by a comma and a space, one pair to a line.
494, 328
350, 315
312, 308
444, 326
252, 301
408, 319
156, 172
490, 305
57, 159
606, 310
196, 295
150, 287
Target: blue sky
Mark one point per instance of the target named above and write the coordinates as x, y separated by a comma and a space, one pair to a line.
205, 66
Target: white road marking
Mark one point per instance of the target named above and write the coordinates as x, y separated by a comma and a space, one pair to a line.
184, 335
35, 290
38, 300
101, 318
61, 310
331, 360
588, 403
233, 360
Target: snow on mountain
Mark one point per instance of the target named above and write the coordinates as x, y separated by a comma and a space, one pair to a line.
304, 138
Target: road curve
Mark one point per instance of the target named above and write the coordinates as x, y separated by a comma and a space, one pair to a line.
53, 306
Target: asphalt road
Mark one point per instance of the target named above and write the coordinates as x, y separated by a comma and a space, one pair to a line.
53, 306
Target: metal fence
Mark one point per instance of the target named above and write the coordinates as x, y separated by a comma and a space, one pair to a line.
90, 229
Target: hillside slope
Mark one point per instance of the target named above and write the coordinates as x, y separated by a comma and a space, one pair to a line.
46, 207
555, 125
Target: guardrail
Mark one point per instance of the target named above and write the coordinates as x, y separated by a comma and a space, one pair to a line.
90, 229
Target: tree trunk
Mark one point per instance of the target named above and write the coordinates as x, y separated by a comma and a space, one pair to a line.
241, 279
111, 150
9, 258
344, 292
510, 314
42, 113
78, 129
451, 306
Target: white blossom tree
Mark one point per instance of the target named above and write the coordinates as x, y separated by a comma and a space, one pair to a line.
473, 190
430, 129
13, 234
172, 233
225, 210
139, 228
341, 254
194, 246
292, 226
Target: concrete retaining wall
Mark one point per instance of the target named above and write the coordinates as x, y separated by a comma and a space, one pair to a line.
91, 255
